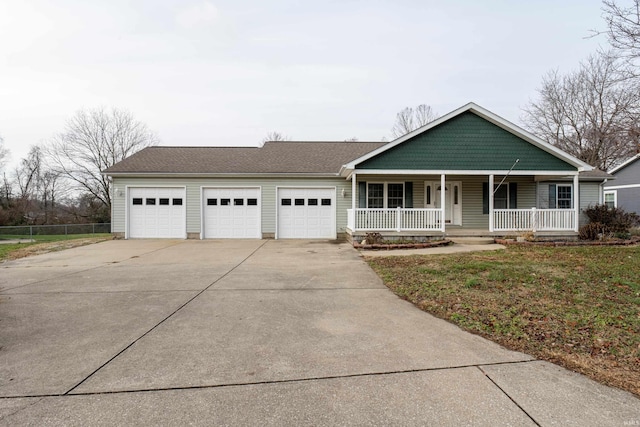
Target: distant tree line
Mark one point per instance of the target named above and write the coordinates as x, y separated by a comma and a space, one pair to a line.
60, 180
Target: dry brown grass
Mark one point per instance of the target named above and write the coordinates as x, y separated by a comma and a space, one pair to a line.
575, 306
21, 250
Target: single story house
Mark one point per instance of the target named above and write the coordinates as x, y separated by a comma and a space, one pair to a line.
470, 172
625, 191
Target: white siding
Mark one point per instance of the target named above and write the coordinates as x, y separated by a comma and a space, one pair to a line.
589, 196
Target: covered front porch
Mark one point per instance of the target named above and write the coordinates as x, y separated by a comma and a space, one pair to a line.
469, 171
415, 206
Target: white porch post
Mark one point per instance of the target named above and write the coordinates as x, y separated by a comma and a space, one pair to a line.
353, 201
490, 203
576, 202
443, 189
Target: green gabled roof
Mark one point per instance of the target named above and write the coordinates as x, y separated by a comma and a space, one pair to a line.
466, 142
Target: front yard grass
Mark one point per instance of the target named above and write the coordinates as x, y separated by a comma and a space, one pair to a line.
575, 306
48, 243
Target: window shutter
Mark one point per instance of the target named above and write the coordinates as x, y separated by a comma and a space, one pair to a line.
552, 196
513, 195
485, 198
408, 194
362, 194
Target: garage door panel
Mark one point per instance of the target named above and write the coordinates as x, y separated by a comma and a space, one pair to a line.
306, 213
156, 213
232, 213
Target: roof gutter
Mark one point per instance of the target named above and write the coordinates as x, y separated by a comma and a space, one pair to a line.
216, 175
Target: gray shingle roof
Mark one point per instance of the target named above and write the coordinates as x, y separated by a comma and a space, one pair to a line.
595, 174
274, 157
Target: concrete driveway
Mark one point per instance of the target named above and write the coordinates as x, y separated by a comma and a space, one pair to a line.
257, 332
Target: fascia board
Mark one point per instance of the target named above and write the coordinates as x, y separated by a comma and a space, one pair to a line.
213, 175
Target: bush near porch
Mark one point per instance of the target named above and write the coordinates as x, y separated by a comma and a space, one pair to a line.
607, 223
575, 306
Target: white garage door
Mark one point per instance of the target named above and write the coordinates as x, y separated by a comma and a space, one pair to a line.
306, 213
232, 213
157, 213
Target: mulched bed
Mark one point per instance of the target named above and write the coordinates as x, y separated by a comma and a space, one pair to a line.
390, 246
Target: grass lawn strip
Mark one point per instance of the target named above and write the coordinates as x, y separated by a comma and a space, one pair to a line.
575, 306
13, 251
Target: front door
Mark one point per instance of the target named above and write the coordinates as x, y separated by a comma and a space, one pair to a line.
452, 200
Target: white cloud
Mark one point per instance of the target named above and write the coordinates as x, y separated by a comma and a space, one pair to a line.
200, 14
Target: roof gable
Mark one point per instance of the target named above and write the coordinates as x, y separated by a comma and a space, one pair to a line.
625, 164
469, 138
466, 142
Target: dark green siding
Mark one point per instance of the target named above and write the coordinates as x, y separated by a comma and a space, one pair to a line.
466, 142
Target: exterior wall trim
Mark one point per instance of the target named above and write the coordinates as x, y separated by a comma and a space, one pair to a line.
620, 187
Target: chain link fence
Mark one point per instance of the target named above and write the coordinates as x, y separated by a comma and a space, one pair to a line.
52, 232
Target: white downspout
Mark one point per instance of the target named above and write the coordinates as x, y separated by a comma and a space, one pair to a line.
601, 192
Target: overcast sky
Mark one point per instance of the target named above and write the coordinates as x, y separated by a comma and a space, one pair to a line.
222, 72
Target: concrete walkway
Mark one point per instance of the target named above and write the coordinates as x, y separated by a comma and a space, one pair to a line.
257, 333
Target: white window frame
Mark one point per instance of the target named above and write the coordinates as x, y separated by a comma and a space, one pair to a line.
385, 192
615, 197
508, 198
558, 198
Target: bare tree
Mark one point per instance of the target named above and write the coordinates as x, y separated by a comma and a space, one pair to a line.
27, 174
352, 139
591, 113
623, 27
275, 136
92, 141
411, 119
4, 153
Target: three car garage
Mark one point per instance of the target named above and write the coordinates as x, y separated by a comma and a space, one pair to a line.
232, 212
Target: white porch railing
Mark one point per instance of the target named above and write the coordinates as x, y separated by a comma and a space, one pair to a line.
534, 219
398, 219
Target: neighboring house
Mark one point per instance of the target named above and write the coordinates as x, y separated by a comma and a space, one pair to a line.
497, 178
624, 192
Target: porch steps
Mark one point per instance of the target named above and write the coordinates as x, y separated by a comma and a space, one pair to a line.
472, 240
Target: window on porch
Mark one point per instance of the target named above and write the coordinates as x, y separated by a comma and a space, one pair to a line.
501, 197
505, 196
385, 195
389, 206
560, 196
